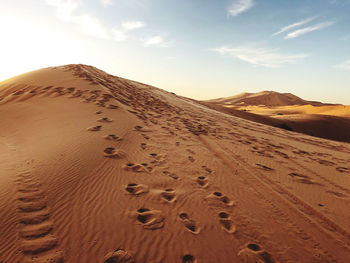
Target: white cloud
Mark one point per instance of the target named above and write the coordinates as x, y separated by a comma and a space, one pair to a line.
294, 25
118, 35
91, 26
158, 41
309, 29
67, 11
106, 2
64, 8
260, 56
131, 25
345, 65
240, 6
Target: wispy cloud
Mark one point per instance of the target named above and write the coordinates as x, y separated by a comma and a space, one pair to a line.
240, 6
345, 65
309, 29
107, 2
260, 56
156, 41
66, 10
118, 35
294, 25
69, 11
131, 25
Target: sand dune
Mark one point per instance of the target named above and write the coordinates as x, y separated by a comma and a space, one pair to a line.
266, 98
96, 168
289, 112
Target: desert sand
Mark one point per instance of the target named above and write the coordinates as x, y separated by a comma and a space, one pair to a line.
96, 168
287, 111
265, 98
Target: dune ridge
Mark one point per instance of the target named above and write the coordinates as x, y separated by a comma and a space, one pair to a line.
97, 168
266, 98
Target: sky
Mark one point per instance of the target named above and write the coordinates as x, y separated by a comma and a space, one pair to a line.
202, 49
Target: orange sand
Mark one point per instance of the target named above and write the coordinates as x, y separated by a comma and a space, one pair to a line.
96, 168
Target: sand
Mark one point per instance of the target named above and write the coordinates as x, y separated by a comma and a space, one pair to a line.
287, 111
282, 111
266, 98
96, 168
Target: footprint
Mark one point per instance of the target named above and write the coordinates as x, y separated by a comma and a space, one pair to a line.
253, 253
190, 151
325, 162
145, 136
207, 169
118, 256
172, 175
338, 194
284, 155
34, 217
105, 119
139, 168
111, 152
36, 230
188, 259
112, 106
30, 196
32, 206
190, 224
226, 223
343, 169
95, 128
113, 137
191, 159
137, 189
150, 219
202, 181
253, 246
216, 197
301, 178
138, 128
168, 195
38, 245
264, 167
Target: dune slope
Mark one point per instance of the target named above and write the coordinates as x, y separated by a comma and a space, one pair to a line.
315, 124
96, 168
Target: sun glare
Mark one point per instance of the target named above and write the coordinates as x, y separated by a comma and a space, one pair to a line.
28, 44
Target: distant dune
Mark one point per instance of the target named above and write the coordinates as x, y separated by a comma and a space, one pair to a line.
287, 111
97, 168
266, 98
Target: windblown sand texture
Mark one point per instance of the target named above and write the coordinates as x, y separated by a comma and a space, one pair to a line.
96, 168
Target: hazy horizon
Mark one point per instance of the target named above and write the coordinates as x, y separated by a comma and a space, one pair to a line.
198, 49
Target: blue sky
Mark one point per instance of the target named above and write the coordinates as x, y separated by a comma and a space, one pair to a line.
197, 48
